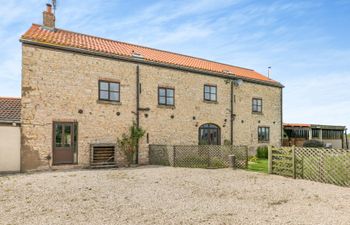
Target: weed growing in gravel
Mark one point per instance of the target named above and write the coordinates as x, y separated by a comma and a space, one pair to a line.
279, 202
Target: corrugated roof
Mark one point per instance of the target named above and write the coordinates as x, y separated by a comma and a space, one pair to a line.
10, 109
59, 37
296, 125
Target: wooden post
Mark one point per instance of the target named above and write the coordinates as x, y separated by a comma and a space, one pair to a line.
302, 167
232, 160
208, 156
174, 156
246, 156
270, 159
293, 162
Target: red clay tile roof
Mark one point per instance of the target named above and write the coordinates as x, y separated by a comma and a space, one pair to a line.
10, 109
81, 41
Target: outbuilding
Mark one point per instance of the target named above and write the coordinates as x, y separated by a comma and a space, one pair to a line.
331, 136
10, 135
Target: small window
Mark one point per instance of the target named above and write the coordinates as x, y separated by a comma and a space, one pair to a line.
58, 135
264, 134
210, 93
109, 91
166, 96
257, 105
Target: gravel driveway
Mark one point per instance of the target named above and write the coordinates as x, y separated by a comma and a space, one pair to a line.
166, 195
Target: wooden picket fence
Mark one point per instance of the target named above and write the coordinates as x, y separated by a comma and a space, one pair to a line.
316, 164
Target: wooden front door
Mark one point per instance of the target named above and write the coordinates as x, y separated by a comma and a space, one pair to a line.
63, 143
209, 134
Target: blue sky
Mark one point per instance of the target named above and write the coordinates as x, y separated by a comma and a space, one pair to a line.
306, 42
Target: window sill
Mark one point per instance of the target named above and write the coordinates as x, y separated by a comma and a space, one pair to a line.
263, 142
166, 106
257, 113
210, 102
108, 102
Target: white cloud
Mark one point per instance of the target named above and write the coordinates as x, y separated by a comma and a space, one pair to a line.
320, 99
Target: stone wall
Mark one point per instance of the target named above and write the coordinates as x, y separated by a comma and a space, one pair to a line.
182, 128
57, 84
246, 123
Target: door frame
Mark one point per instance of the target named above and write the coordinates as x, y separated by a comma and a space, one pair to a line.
217, 128
74, 143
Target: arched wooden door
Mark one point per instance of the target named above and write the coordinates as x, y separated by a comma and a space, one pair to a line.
209, 134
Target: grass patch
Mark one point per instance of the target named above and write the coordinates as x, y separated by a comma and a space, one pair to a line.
259, 166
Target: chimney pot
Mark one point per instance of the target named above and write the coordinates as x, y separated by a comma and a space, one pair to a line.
49, 18
49, 8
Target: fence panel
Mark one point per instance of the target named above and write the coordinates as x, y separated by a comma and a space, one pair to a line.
161, 155
324, 165
282, 161
198, 156
316, 164
210, 156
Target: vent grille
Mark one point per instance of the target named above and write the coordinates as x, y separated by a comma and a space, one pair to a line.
103, 156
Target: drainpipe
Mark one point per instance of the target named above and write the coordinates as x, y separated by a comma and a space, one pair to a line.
137, 108
232, 118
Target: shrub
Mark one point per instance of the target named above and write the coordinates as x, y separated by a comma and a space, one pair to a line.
313, 144
252, 159
262, 152
192, 162
217, 163
227, 142
200, 162
129, 142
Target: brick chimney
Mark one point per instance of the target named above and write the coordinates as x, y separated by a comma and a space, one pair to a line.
48, 17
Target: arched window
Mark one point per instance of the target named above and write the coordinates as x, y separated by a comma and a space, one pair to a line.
209, 134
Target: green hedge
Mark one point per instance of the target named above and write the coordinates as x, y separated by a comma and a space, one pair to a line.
313, 144
262, 152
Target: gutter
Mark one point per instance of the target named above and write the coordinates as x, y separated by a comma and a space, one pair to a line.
17, 122
154, 63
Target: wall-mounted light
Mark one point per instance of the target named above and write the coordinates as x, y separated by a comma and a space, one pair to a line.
238, 82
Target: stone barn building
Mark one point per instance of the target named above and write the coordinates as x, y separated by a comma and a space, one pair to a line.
81, 92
